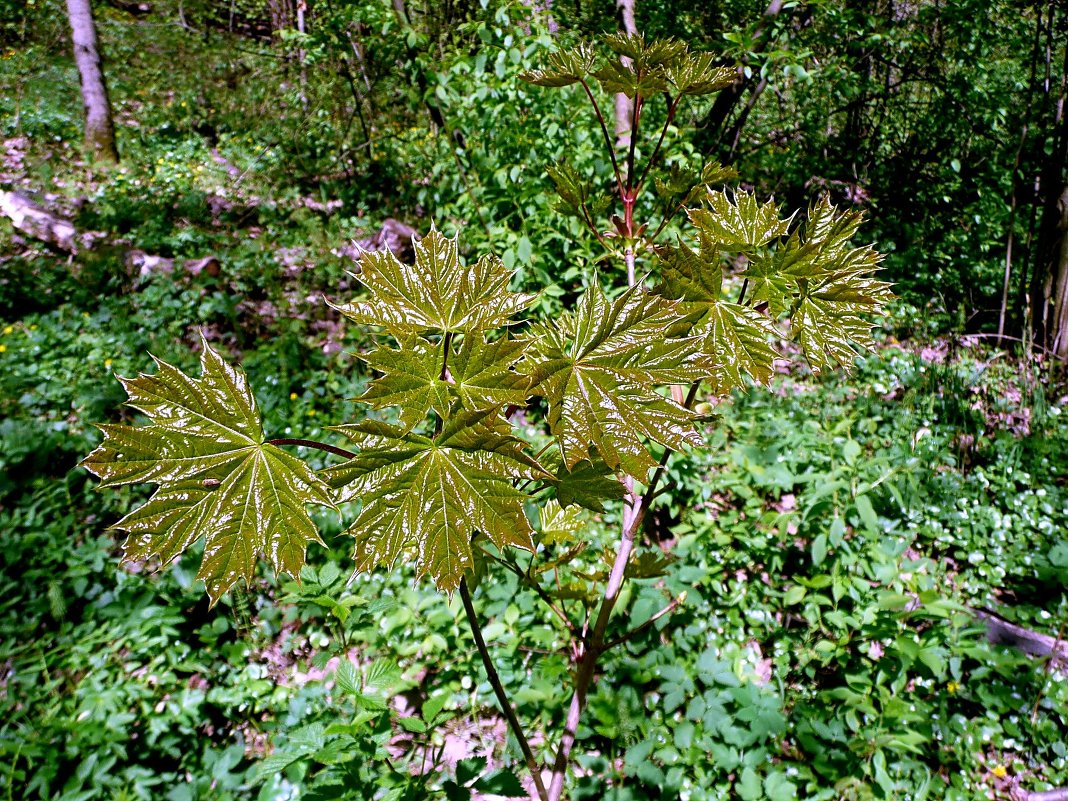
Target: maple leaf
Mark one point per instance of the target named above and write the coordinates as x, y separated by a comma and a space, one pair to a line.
697, 74
565, 67
558, 526
216, 476
734, 338
742, 223
825, 283
829, 319
588, 484
437, 293
577, 195
735, 343
431, 495
689, 276
598, 368
481, 376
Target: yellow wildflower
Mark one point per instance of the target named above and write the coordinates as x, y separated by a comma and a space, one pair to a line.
3, 348
292, 395
107, 363
953, 687
1000, 771
8, 329
311, 412
33, 327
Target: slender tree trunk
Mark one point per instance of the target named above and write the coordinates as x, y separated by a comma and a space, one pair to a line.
1018, 173
1057, 334
624, 105
715, 121
1049, 283
302, 56
99, 128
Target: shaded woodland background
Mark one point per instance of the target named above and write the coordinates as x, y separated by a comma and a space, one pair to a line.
840, 542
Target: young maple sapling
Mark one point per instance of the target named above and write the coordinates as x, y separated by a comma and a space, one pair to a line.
437, 470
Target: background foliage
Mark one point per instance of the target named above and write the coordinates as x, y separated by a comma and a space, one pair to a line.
830, 540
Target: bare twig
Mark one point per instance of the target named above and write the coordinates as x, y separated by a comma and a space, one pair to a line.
311, 443
634, 632
499, 691
531, 582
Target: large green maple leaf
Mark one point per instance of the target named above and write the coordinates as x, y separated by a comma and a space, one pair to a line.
481, 375
216, 476
741, 223
825, 283
734, 338
436, 293
429, 496
598, 368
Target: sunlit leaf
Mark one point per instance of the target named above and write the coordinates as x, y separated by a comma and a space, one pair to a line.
648, 564
588, 484
826, 284
741, 223
697, 74
558, 525
436, 293
735, 339
428, 497
693, 277
598, 368
563, 68
829, 324
481, 375
616, 77
216, 477
736, 343
645, 55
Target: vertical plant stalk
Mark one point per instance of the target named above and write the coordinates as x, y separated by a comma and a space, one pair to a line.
604, 132
634, 513
499, 691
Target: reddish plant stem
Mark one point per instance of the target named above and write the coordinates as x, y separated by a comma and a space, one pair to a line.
673, 106
638, 101
594, 644
607, 137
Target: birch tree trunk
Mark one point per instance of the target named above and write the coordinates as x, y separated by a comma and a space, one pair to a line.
624, 105
99, 128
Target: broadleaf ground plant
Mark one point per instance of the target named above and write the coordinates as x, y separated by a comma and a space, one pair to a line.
442, 471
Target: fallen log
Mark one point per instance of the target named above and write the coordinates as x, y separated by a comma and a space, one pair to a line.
35, 221
61, 235
1060, 794
1001, 631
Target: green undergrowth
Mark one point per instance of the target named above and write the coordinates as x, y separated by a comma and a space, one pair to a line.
843, 531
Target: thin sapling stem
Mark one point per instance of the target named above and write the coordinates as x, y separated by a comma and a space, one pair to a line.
311, 443
500, 692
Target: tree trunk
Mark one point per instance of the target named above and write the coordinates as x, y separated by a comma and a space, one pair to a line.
1057, 334
1049, 282
713, 127
99, 129
624, 105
